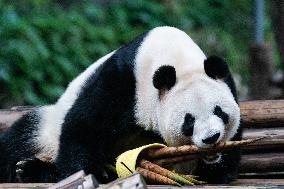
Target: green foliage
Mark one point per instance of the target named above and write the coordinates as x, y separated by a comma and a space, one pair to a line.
44, 46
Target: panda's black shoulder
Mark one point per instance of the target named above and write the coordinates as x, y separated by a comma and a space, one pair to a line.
111, 89
231, 84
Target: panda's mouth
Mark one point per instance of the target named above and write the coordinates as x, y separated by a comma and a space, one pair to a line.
212, 158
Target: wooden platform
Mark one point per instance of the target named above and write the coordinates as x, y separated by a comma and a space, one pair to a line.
241, 183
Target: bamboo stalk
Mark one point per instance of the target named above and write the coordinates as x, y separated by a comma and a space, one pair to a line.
193, 149
169, 174
172, 160
155, 177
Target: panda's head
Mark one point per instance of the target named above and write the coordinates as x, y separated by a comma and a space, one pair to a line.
198, 108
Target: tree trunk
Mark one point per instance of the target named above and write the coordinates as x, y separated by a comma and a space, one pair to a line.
262, 69
277, 16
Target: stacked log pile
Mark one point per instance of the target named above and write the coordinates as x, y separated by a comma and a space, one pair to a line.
264, 158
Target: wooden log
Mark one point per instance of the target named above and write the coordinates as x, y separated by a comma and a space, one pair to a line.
240, 183
266, 175
257, 112
25, 185
254, 114
250, 186
80, 180
265, 113
8, 117
258, 182
250, 163
261, 163
134, 181
274, 139
275, 136
235, 184
77, 180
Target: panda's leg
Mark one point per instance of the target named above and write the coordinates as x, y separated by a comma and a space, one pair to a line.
16, 145
5, 169
225, 171
34, 171
75, 157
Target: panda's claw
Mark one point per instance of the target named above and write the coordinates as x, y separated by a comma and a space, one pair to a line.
19, 175
19, 171
21, 163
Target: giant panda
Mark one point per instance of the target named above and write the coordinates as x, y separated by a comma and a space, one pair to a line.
158, 88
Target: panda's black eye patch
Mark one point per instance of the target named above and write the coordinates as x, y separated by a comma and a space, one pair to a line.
187, 127
219, 112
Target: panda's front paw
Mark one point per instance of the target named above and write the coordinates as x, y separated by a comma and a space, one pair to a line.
23, 172
35, 170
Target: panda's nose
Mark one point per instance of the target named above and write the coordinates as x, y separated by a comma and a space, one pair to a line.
212, 139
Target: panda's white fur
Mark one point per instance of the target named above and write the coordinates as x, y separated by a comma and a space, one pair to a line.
181, 52
193, 88
201, 95
52, 117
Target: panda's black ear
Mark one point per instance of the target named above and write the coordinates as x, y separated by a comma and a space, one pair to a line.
216, 67
164, 77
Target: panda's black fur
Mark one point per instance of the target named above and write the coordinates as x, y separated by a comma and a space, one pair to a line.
100, 125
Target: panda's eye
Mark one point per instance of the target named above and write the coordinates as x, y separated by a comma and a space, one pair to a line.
187, 127
219, 112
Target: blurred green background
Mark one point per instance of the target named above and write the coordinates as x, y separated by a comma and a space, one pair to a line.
44, 44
